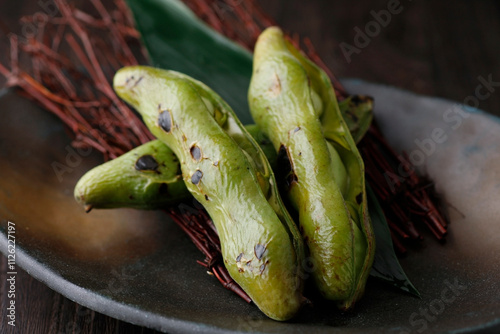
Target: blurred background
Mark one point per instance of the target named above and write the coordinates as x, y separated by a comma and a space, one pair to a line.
429, 47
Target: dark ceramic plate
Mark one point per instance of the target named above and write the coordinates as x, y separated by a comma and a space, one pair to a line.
139, 267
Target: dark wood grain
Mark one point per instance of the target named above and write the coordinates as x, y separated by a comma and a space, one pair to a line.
437, 48
40, 310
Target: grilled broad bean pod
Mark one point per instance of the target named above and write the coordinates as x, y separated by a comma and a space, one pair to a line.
337, 133
146, 177
149, 176
294, 104
225, 170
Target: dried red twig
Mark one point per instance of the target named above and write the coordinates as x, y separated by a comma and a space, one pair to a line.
404, 196
240, 20
200, 229
69, 77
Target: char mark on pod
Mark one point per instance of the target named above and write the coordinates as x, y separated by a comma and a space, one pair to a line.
356, 99
165, 119
146, 162
286, 175
259, 251
195, 152
196, 178
359, 198
163, 189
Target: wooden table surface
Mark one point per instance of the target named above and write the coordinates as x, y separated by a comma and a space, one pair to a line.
437, 48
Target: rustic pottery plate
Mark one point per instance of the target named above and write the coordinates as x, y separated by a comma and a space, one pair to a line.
139, 267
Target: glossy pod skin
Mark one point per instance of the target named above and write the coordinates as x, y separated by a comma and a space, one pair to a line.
294, 104
264, 143
337, 133
146, 177
225, 170
127, 182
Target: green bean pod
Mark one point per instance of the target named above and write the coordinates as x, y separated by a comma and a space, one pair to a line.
128, 182
264, 143
226, 171
357, 112
294, 104
147, 177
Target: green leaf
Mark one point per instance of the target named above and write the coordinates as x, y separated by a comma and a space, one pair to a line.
176, 39
386, 265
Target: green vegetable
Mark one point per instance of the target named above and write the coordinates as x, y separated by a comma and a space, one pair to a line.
386, 266
293, 102
147, 177
125, 182
160, 31
194, 49
122, 183
357, 113
264, 143
226, 171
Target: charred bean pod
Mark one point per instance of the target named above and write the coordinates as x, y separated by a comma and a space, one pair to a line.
293, 102
147, 177
225, 170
